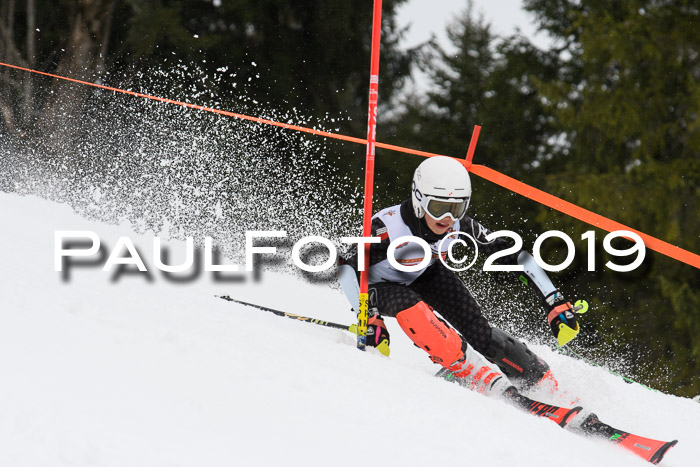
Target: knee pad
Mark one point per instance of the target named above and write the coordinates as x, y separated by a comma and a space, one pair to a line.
430, 333
515, 360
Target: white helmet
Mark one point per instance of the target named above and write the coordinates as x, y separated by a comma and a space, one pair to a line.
441, 187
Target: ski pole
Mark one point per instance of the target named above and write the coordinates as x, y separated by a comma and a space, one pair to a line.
566, 350
350, 328
581, 307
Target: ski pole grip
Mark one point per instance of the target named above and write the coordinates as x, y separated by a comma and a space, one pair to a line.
581, 306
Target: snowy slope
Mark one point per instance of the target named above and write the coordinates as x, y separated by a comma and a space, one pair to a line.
138, 373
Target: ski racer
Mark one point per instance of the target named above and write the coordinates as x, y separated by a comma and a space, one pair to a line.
432, 305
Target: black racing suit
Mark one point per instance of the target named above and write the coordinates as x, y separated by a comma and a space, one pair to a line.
442, 289
438, 286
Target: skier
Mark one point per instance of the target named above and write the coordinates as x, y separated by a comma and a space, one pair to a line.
432, 305
437, 312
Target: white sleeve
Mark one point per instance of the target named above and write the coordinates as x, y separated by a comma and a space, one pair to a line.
536, 274
348, 282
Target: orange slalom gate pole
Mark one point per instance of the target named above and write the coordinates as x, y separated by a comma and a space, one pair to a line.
472, 145
363, 312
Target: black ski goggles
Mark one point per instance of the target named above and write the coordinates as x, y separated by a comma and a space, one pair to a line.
440, 208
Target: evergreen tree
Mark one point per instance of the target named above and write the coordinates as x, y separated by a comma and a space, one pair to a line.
627, 101
607, 119
310, 58
488, 81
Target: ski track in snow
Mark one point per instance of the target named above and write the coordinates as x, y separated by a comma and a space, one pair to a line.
132, 373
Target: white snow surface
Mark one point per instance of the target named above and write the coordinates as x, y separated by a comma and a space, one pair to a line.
136, 373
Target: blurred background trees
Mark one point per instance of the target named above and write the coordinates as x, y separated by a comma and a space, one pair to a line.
607, 118
286, 55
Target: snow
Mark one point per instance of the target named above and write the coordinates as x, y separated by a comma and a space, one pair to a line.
99, 370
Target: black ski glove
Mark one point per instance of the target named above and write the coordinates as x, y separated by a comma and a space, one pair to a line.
562, 318
377, 334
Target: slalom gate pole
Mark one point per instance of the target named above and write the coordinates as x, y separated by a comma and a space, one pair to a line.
345, 327
363, 314
472, 145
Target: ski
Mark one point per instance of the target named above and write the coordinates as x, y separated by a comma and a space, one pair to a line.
651, 450
560, 415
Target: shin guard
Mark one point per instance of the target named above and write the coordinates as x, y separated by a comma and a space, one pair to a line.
445, 347
431, 334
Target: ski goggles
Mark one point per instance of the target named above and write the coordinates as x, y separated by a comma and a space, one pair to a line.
439, 208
